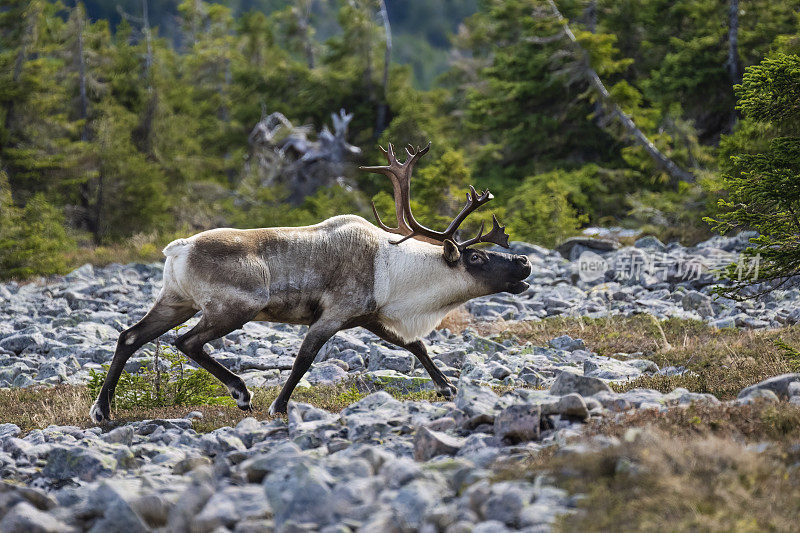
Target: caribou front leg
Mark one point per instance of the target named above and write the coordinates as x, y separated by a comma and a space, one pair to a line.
440, 381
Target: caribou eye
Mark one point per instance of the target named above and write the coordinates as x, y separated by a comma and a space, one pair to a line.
475, 259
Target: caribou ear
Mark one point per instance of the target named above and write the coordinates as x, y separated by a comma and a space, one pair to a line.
451, 252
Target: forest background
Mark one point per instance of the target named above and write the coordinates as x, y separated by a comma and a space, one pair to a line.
126, 124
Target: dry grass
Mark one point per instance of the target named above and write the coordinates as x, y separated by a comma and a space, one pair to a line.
779, 423
39, 407
685, 470
457, 320
135, 250
723, 361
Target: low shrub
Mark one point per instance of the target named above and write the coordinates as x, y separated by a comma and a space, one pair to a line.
165, 381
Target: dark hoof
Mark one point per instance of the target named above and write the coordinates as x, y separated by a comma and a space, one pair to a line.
99, 414
242, 397
278, 409
447, 391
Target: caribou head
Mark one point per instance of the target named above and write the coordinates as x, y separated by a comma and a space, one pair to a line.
500, 272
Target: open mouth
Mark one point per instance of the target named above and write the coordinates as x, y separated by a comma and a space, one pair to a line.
517, 287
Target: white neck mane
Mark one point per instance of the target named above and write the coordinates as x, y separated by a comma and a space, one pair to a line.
415, 288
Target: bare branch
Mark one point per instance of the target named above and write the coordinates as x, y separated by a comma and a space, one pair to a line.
664, 162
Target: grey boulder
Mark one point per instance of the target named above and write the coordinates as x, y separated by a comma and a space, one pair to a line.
778, 384
567, 382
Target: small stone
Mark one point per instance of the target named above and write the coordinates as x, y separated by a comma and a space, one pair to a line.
114, 499
650, 243
25, 518
722, 323
567, 343
189, 504
120, 435
279, 456
21, 341
382, 358
326, 373
301, 494
9, 430
190, 463
572, 405
429, 444
518, 423
758, 395
233, 504
442, 424
643, 365
506, 501
572, 248
475, 400
697, 301
412, 502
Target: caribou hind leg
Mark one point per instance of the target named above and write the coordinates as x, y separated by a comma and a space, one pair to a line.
165, 314
214, 324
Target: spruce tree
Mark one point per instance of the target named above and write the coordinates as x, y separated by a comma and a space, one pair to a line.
762, 174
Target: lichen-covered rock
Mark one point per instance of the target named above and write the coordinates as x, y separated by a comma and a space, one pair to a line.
429, 444
302, 494
567, 382
518, 423
25, 518
73, 462
476, 399
21, 341
778, 384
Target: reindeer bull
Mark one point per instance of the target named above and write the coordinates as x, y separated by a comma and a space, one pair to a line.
341, 273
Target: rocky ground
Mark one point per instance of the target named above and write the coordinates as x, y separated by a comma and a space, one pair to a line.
380, 464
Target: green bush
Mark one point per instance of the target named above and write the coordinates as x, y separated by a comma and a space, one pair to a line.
153, 386
542, 209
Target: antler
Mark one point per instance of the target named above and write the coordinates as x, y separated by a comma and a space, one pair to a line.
408, 226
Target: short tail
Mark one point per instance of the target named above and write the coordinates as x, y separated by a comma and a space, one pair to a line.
175, 247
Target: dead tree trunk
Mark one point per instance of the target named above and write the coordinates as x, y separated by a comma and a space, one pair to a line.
383, 107
83, 105
733, 63
304, 15
664, 162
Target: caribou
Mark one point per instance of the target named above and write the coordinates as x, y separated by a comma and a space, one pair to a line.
341, 273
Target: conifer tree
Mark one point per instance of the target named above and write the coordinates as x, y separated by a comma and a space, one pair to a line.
762, 173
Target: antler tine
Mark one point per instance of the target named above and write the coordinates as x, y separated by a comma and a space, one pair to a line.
390, 156
497, 236
394, 172
413, 157
474, 201
383, 226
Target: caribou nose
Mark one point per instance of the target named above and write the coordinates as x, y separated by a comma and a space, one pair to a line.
524, 265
